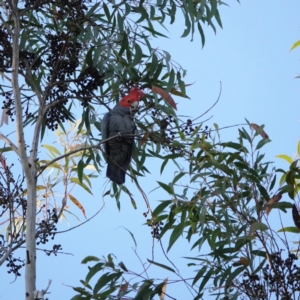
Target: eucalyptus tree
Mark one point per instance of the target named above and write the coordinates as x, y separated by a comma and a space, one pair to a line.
59, 58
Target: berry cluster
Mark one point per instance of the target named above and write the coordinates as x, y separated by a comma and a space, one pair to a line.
156, 226
5, 49
11, 192
286, 277
29, 59
60, 62
47, 228
90, 79
8, 104
54, 250
12, 202
31, 3
74, 12
170, 132
14, 265
26, 58
253, 286
281, 279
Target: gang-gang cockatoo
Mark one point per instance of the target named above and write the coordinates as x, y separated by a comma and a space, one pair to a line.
119, 121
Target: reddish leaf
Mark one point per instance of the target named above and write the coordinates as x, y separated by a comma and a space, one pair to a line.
3, 162
274, 199
144, 139
123, 288
163, 290
76, 202
262, 133
296, 216
166, 96
244, 261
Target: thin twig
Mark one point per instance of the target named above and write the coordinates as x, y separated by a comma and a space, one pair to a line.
43, 167
189, 287
10, 143
212, 105
93, 216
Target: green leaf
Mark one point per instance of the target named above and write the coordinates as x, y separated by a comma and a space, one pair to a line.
234, 146
295, 45
121, 264
261, 143
200, 29
138, 55
93, 270
259, 253
296, 216
5, 149
144, 291
171, 81
161, 207
285, 157
258, 226
263, 192
52, 149
161, 265
291, 229
163, 165
80, 167
218, 18
166, 187
176, 233
234, 274
260, 266
89, 259
84, 186
91, 11
104, 279
153, 32
282, 179
205, 279
132, 236
199, 274
272, 183
106, 11
89, 57
178, 176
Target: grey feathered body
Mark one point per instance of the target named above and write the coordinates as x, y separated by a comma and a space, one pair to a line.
118, 150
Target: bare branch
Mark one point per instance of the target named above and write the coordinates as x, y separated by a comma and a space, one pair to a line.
93, 216
10, 143
86, 148
212, 105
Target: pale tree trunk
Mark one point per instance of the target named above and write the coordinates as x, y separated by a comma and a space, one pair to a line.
28, 164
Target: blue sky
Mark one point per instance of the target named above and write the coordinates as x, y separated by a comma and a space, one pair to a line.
251, 58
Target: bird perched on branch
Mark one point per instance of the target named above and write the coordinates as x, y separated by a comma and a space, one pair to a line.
119, 122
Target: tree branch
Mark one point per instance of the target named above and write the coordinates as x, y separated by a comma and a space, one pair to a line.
10, 143
212, 105
16, 90
86, 148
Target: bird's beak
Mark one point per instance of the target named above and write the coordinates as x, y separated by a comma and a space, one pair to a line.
134, 106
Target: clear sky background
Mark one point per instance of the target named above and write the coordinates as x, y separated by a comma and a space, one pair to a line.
251, 58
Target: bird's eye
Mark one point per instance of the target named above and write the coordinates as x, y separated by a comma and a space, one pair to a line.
128, 101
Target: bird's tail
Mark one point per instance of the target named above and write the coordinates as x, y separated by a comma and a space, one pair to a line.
115, 173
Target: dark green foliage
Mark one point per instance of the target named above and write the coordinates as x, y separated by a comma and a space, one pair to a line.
227, 215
